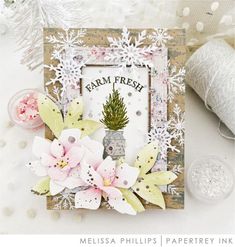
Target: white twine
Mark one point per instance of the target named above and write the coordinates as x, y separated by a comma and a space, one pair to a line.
211, 73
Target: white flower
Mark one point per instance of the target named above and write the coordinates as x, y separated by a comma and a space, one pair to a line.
105, 181
60, 159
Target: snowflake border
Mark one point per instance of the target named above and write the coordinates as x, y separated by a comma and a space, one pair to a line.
130, 52
177, 124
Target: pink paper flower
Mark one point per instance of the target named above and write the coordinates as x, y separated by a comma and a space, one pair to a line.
60, 159
105, 180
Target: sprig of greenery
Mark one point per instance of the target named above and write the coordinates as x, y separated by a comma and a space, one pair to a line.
115, 112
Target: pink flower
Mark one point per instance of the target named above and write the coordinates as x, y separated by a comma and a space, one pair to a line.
60, 159
105, 180
59, 162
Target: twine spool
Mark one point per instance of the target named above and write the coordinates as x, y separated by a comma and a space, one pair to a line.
211, 73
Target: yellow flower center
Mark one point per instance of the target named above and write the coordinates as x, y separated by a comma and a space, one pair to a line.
61, 164
107, 182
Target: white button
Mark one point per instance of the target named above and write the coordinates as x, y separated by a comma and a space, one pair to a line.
22, 144
200, 26
31, 213
7, 211
2, 143
78, 217
214, 6
55, 215
186, 11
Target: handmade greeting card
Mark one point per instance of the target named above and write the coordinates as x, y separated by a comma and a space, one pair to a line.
114, 114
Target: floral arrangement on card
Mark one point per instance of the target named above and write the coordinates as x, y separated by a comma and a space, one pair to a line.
114, 117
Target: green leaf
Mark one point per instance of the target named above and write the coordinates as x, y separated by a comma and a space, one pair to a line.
148, 191
133, 200
42, 188
50, 114
74, 114
88, 127
161, 178
146, 158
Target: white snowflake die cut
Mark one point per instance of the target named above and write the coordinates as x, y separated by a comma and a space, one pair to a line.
68, 72
164, 137
61, 101
68, 40
175, 83
129, 52
64, 200
177, 124
172, 189
177, 169
160, 37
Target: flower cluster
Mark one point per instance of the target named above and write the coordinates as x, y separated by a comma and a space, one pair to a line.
71, 162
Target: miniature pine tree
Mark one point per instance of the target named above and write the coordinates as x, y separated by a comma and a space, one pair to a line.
114, 112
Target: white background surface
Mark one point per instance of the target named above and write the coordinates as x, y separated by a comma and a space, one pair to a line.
202, 138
